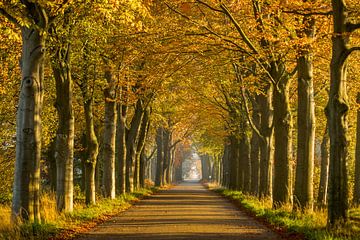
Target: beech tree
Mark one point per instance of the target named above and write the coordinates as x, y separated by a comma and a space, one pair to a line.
338, 108
33, 20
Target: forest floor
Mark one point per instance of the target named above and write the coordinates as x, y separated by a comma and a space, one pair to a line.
186, 211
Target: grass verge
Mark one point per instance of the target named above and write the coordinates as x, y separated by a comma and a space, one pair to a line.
294, 224
55, 225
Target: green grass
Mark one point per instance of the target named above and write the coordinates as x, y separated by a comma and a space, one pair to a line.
64, 225
309, 224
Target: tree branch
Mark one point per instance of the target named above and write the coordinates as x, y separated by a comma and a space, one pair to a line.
9, 17
241, 80
348, 52
151, 154
238, 28
210, 7
308, 13
350, 27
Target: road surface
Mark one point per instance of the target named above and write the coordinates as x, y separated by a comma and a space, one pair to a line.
187, 211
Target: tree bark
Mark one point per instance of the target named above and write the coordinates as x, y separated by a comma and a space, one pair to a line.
338, 108
64, 147
159, 157
356, 198
233, 159
255, 150
303, 194
324, 171
92, 153
266, 148
144, 128
26, 188
166, 149
205, 167
121, 148
245, 159
92, 145
226, 166
131, 145
109, 136
282, 133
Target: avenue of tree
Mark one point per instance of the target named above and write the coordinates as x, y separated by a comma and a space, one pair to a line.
113, 95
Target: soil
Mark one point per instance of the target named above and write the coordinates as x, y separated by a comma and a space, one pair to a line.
187, 211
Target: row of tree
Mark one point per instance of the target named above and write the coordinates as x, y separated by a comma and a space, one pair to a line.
132, 79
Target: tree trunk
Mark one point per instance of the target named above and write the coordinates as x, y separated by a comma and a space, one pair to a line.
255, 150
356, 198
92, 153
233, 162
64, 147
109, 136
121, 148
140, 171
159, 157
303, 194
205, 167
226, 165
282, 133
26, 188
324, 171
266, 148
131, 145
338, 108
50, 158
166, 148
245, 159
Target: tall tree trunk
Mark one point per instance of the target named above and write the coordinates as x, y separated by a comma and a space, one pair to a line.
338, 108
205, 167
226, 166
121, 148
50, 158
266, 148
356, 198
282, 133
92, 145
64, 147
303, 194
144, 128
166, 148
131, 145
26, 188
109, 136
92, 153
324, 171
159, 156
245, 156
142, 168
255, 150
233, 159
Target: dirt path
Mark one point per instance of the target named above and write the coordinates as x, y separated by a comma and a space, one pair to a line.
187, 211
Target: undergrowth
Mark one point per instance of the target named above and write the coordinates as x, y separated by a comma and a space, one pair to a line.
308, 224
55, 225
